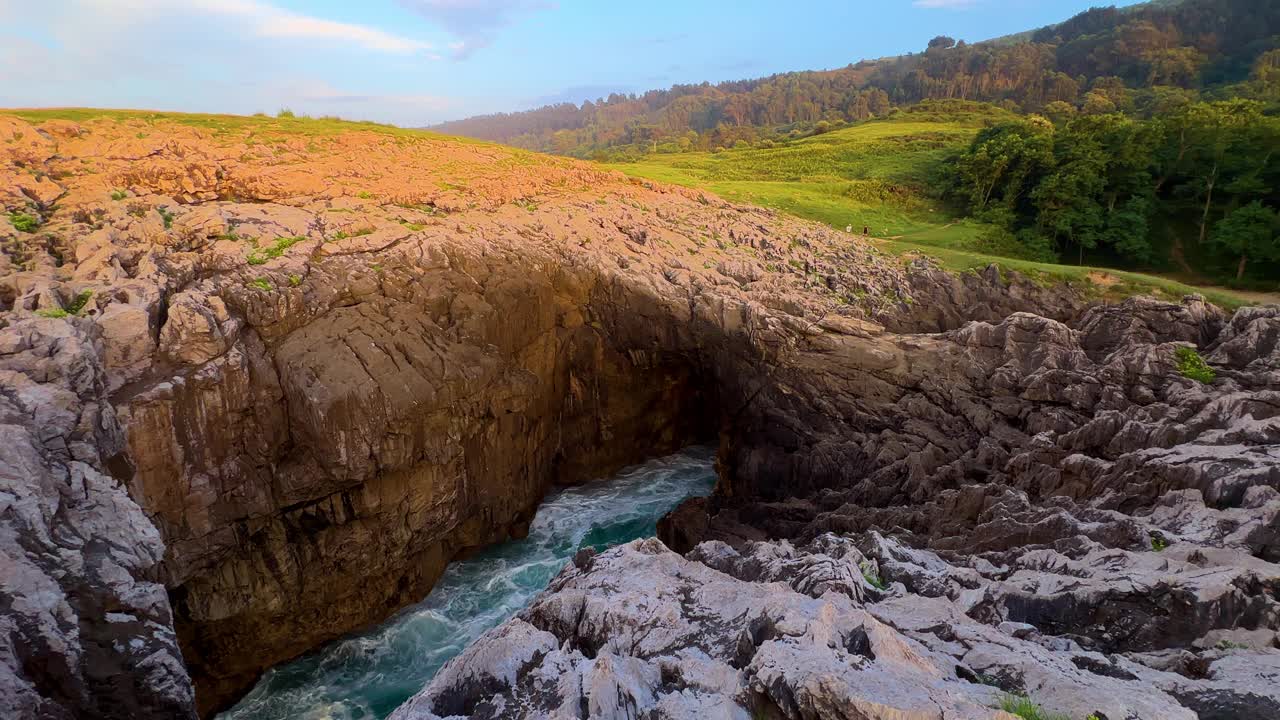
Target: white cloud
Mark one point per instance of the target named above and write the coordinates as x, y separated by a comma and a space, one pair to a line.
237, 56
266, 20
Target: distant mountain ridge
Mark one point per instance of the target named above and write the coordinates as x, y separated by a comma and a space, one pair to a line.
1188, 46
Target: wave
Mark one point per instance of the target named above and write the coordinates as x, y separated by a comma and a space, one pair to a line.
366, 675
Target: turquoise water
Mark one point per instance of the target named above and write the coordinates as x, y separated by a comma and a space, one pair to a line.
367, 675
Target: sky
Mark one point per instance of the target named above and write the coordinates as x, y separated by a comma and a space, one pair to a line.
419, 62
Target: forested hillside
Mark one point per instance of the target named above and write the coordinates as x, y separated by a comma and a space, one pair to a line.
1189, 193
1143, 60
1191, 190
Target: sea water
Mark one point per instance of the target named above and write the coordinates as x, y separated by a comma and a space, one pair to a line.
368, 674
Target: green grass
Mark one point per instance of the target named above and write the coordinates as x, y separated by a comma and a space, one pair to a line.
1026, 709
23, 222
72, 309
260, 256
871, 577
76, 305
232, 124
1191, 365
358, 232
882, 174
1126, 283
874, 174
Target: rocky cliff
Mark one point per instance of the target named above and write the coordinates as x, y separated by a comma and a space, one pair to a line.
1012, 512
265, 379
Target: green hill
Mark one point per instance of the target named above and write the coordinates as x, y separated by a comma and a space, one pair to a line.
876, 174
887, 175
1134, 55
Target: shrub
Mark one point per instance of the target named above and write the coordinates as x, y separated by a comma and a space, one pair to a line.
119, 195
1158, 543
23, 222
261, 283
166, 216
285, 113
52, 313
1191, 365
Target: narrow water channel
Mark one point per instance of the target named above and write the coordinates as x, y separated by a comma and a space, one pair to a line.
366, 675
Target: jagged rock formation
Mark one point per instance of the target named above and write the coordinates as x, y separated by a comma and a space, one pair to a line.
1106, 545
322, 366
338, 361
84, 626
779, 631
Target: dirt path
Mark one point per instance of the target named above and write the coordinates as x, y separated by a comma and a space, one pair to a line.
1255, 296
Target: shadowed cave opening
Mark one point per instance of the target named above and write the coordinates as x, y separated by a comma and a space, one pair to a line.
370, 672
610, 408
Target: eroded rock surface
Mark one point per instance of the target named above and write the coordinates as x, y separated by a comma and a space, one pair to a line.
288, 377
85, 627
779, 631
331, 363
1041, 511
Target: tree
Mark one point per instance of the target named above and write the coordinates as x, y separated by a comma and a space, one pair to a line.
942, 42
1219, 133
1097, 103
1127, 229
1059, 111
1068, 200
1250, 233
1266, 74
1174, 66
1003, 161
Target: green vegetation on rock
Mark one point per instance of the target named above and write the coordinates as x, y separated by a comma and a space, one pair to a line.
1191, 365
869, 574
1025, 708
24, 222
77, 304
260, 256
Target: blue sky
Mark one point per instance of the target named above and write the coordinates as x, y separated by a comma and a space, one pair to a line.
416, 62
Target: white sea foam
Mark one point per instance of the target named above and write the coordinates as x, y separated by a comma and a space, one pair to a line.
367, 675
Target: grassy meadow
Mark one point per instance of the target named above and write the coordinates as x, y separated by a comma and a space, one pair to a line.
884, 174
